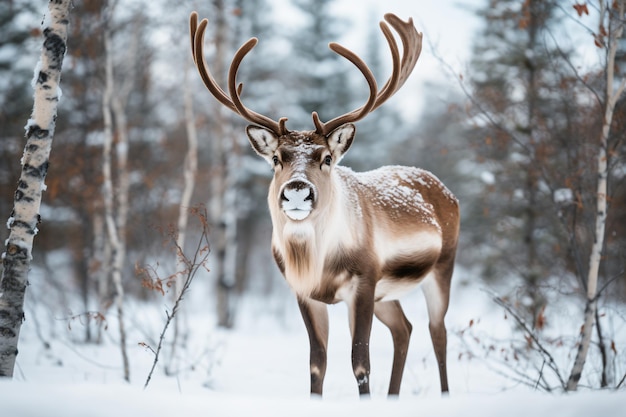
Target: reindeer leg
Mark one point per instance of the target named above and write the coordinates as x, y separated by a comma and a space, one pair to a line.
436, 289
315, 316
361, 314
391, 315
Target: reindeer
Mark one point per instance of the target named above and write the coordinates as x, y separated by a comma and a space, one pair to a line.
337, 235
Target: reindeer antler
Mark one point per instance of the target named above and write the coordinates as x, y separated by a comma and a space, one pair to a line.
234, 101
411, 46
402, 68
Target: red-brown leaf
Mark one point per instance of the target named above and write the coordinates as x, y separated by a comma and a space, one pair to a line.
597, 43
529, 341
603, 31
540, 322
581, 8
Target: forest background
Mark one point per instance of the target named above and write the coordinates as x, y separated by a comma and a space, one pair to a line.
514, 132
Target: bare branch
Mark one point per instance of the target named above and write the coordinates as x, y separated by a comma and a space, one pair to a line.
481, 109
198, 261
540, 347
575, 71
621, 382
511, 373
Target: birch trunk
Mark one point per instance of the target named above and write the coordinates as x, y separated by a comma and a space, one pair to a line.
189, 174
117, 103
113, 232
228, 281
612, 95
27, 201
101, 246
221, 182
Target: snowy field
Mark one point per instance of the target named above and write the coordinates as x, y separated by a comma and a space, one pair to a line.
260, 368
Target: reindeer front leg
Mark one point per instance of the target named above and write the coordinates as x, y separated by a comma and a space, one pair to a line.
361, 313
315, 316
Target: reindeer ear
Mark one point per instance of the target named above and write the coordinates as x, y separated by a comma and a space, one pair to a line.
340, 139
263, 141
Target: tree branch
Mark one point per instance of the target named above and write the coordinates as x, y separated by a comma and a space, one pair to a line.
544, 352
198, 261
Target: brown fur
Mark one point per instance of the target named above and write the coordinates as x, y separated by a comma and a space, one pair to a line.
298, 255
278, 258
410, 266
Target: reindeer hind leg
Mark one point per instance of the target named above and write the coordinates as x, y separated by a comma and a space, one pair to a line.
436, 289
391, 315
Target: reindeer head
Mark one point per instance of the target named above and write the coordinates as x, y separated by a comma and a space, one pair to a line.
303, 161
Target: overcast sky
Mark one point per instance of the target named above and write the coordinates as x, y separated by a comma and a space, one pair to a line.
448, 26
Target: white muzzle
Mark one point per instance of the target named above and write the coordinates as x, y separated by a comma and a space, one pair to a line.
297, 199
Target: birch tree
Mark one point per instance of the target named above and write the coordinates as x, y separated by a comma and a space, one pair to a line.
608, 36
223, 182
189, 175
546, 135
115, 224
27, 200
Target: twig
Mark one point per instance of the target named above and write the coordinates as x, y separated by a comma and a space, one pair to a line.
86, 358
504, 369
575, 71
551, 362
481, 109
193, 265
540, 374
147, 346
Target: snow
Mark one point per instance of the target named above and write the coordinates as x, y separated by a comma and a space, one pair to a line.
33, 84
102, 400
563, 195
396, 188
46, 23
260, 368
488, 177
29, 124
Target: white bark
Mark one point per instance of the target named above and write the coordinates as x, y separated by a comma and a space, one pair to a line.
101, 246
230, 216
25, 217
114, 233
223, 186
612, 95
189, 175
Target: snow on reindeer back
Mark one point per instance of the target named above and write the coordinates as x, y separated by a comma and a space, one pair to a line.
396, 190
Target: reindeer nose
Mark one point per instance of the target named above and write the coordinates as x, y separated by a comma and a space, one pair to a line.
297, 199
297, 189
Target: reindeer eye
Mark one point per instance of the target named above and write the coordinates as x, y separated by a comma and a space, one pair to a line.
275, 159
328, 160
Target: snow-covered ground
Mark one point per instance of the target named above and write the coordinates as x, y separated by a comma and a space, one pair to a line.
260, 368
